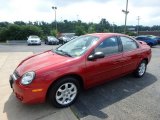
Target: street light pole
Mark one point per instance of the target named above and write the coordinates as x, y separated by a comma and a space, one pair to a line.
126, 13
138, 25
55, 8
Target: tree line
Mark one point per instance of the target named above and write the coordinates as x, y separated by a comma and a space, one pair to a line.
20, 30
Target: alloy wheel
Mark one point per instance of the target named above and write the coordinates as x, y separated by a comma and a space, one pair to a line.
66, 93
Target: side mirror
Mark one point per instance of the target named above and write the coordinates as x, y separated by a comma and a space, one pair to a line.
96, 55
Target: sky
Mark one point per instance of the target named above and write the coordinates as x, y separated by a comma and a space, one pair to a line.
84, 10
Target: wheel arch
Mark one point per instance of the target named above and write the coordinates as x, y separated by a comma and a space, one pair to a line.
78, 77
146, 59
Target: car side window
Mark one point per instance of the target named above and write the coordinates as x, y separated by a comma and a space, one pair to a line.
128, 44
108, 46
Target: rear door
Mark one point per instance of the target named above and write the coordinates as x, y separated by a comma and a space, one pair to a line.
131, 54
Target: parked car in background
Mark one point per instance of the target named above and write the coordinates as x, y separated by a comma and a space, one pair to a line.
133, 36
155, 37
51, 40
64, 39
74, 37
34, 40
150, 41
89, 60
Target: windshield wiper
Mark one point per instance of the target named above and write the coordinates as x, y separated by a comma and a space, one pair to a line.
64, 53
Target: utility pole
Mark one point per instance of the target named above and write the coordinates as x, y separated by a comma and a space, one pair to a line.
126, 13
77, 17
55, 8
113, 27
138, 25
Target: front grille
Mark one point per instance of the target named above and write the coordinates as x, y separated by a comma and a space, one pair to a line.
33, 41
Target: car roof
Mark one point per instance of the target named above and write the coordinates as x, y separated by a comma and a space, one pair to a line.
104, 35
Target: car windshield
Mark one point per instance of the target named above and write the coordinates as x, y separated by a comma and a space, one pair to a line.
51, 37
77, 47
152, 37
33, 37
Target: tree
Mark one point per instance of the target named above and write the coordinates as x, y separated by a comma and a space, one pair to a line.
21, 30
54, 33
3, 33
80, 30
19, 23
16, 32
103, 26
91, 28
4, 24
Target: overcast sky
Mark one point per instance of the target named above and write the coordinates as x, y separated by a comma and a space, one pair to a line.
85, 10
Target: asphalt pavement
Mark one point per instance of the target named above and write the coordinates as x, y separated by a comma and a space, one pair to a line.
127, 98
25, 48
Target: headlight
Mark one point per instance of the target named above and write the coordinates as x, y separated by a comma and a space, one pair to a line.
27, 78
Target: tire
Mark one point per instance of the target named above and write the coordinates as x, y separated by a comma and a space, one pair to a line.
141, 69
64, 92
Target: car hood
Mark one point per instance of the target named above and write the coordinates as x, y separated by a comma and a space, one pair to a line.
33, 39
39, 61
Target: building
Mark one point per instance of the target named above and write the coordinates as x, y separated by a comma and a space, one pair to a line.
156, 33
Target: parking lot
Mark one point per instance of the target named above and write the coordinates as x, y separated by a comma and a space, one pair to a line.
127, 98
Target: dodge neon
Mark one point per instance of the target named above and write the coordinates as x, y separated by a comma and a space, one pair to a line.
89, 60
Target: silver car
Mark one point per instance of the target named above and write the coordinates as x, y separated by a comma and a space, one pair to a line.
33, 40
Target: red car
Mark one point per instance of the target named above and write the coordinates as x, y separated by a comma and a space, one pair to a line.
59, 75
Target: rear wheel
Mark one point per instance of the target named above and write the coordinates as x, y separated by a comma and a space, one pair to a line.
64, 92
46, 42
140, 71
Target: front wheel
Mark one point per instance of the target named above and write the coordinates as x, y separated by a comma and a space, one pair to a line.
140, 71
64, 92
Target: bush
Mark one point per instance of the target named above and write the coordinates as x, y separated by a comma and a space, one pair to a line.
131, 33
17, 32
80, 30
3, 34
54, 33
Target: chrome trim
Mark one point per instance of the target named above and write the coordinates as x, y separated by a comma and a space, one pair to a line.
14, 77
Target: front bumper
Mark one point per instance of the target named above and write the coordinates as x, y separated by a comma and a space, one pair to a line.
53, 42
25, 93
34, 43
